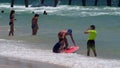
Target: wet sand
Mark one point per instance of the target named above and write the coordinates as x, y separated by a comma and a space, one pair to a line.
6, 62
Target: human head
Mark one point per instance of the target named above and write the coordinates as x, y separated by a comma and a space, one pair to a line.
92, 27
36, 15
69, 31
12, 11
2, 11
45, 13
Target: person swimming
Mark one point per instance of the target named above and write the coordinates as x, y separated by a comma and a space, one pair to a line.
44, 13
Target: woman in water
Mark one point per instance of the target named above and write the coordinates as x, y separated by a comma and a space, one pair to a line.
11, 23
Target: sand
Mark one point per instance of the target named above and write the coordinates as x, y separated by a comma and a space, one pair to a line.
6, 62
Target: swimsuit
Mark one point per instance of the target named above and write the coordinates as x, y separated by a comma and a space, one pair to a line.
10, 23
33, 26
91, 44
56, 47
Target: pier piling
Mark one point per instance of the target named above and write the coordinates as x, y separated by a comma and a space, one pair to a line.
42, 1
70, 1
119, 3
96, 1
108, 2
12, 3
84, 2
26, 3
55, 3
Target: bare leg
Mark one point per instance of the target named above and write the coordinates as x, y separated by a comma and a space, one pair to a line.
11, 30
88, 52
94, 51
9, 33
66, 43
33, 31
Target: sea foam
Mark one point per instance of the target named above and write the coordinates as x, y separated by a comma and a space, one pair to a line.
17, 50
65, 10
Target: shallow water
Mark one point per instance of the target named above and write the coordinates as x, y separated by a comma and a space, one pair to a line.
78, 18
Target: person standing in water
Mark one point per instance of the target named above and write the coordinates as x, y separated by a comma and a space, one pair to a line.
11, 23
35, 24
91, 40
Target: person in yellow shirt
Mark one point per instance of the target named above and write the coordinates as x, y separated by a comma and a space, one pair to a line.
91, 39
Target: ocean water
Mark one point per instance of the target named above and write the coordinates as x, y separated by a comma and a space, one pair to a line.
39, 48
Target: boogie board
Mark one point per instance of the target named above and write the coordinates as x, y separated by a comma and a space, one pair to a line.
71, 49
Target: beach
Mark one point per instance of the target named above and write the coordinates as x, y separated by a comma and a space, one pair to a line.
15, 52
7, 62
27, 51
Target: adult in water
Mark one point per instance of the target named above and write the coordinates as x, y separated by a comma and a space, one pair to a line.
34, 24
63, 42
91, 39
11, 23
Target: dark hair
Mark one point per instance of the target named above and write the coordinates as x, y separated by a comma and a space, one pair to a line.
36, 15
45, 13
12, 11
2, 11
92, 26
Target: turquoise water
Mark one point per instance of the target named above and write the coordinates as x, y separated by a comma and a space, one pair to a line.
63, 2
77, 18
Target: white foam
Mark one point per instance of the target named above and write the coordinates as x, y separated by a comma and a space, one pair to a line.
65, 10
16, 49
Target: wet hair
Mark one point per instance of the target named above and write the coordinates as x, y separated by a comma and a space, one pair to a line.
92, 26
12, 12
2, 11
70, 31
36, 15
45, 13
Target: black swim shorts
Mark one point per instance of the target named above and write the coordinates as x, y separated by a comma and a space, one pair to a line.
91, 44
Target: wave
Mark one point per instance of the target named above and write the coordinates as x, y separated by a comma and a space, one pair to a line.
65, 10
64, 2
16, 49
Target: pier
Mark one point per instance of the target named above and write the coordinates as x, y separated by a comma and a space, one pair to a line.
25, 1
108, 2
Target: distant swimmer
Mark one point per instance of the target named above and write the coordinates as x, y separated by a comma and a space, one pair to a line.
2, 11
35, 24
91, 39
45, 13
33, 12
11, 23
58, 47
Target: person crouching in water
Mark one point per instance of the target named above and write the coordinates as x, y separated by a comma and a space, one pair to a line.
34, 24
63, 42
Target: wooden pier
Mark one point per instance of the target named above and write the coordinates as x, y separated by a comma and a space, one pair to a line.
25, 1
108, 2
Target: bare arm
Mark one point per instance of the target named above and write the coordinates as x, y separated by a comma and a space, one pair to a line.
72, 39
86, 31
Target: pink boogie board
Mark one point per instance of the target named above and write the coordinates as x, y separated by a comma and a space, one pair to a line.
71, 49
